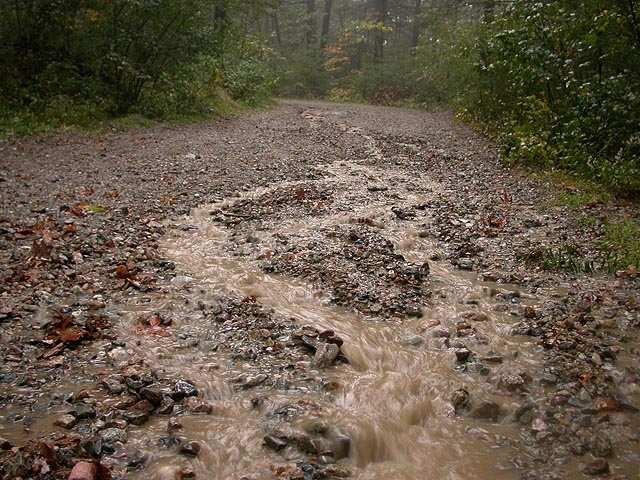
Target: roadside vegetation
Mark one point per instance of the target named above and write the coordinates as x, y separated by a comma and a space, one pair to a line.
87, 64
556, 83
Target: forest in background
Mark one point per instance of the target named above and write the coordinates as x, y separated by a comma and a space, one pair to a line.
557, 83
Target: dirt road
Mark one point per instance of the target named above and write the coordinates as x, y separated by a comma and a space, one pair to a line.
314, 291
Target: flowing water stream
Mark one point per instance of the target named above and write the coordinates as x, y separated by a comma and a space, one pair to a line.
393, 398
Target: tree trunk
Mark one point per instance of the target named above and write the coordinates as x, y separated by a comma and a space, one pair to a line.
326, 23
417, 23
276, 28
381, 17
311, 23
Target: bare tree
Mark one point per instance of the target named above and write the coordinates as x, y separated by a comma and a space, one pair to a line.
311, 22
326, 23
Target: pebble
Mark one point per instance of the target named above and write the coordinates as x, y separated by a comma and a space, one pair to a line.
83, 471
66, 421
190, 448
113, 435
462, 354
81, 411
183, 389
412, 341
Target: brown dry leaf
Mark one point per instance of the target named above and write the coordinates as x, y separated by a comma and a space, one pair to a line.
122, 272
79, 210
87, 191
71, 335
70, 228
113, 194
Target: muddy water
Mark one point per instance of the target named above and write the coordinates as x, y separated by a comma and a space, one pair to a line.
392, 399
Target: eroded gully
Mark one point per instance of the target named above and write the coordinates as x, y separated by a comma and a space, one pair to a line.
387, 412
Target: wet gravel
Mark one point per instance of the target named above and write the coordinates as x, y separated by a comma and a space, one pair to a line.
80, 228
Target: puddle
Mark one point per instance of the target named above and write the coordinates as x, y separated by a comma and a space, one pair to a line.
393, 398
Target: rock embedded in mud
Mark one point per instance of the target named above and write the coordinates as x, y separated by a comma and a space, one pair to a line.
119, 356
82, 410
191, 449
197, 405
5, 444
597, 467
487, 411
154, 395
67, 421
462, 354
326, 355
250, 381
460, 399
183, 389
113, 435
412, 341
136, 417
476, 316
274, 443
173, 424
166, 406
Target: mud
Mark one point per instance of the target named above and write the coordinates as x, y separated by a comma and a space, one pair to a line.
363, 313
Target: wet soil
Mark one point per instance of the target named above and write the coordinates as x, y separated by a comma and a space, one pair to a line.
317, 291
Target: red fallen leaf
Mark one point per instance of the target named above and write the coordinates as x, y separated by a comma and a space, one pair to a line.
300, 194
122, 272
70, 228
87, 191
585, 378
79, 209
42, 247
155, 321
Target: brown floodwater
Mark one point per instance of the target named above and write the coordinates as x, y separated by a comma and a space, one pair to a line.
392, 399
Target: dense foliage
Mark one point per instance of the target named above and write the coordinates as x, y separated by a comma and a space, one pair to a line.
100, 58
557, 81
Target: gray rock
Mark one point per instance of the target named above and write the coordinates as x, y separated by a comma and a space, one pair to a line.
274, 443
166, 406
462, 354
66, 421
191, 449
154, 395
82, 410
113, 435
136, 417
460, 399
464, 263
183, 389
113, 385
326, 354
412, 341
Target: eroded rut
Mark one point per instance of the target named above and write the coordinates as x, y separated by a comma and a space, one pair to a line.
386, 409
